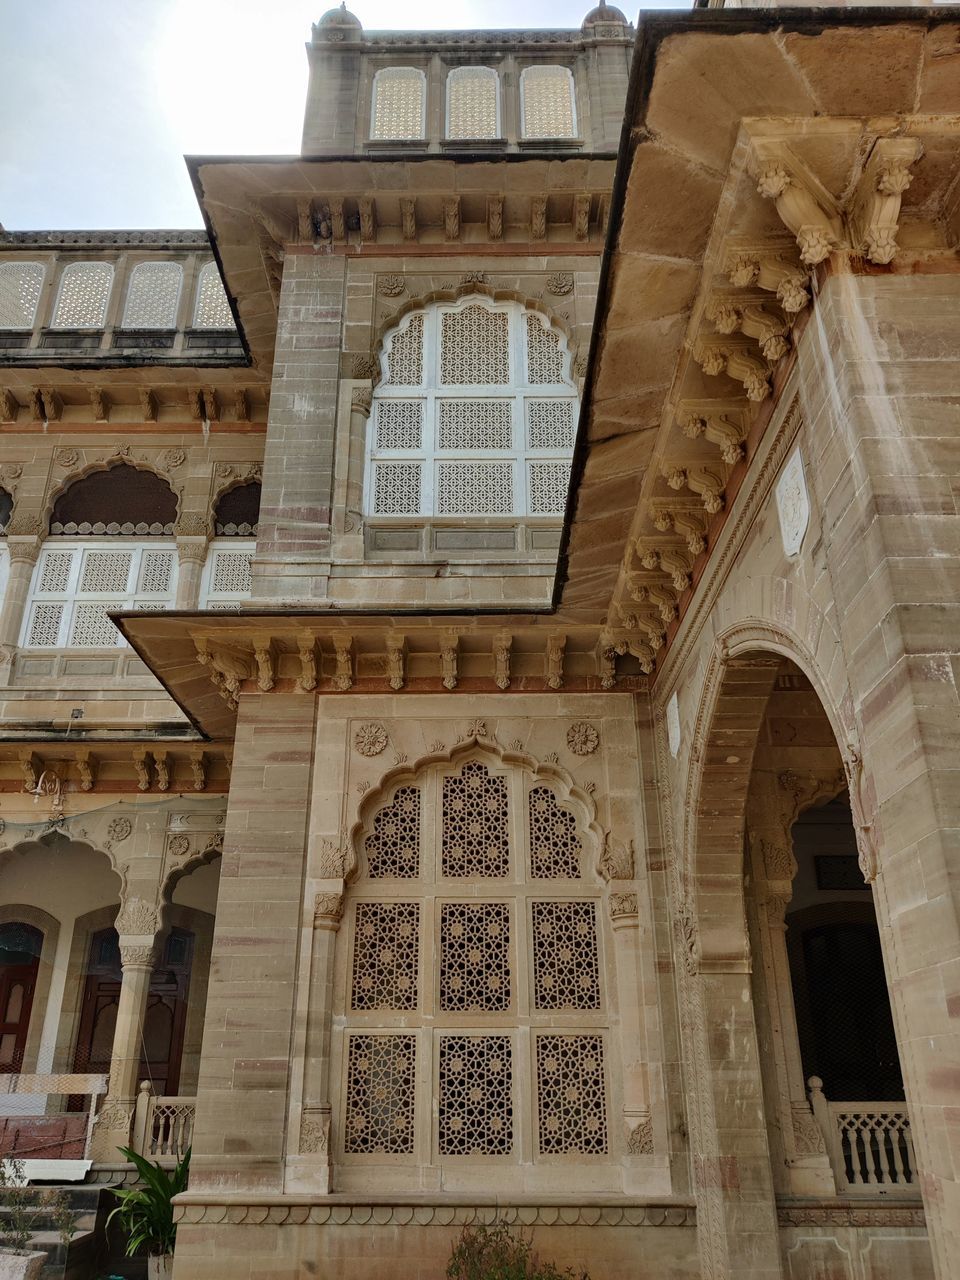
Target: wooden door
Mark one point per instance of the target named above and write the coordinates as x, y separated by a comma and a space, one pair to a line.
20, 947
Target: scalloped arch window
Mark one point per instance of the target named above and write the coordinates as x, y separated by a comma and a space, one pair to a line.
474, 415
473, 980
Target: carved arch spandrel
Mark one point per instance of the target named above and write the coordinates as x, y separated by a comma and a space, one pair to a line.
486, 751
119, 457
420, 302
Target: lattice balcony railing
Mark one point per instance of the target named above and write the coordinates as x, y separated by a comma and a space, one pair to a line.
869, 1143
163, 1126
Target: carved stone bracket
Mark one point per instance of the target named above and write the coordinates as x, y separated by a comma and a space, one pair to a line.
873, 215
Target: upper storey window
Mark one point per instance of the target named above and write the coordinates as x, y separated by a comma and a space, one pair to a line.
398, 110
213, 309
473, 104
153, 295
83, 297
20, 285
547, 103
474, 416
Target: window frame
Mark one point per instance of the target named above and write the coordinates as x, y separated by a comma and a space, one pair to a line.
374, 89
574, 136
72, 268
131, 278
9, 267
465, 140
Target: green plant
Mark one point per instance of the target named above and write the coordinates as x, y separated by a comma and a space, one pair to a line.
25, 1207
498, 1252
146, 1212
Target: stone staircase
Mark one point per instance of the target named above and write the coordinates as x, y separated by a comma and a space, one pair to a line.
84, 1258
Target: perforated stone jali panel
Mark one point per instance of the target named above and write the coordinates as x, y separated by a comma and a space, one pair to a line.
555, 846
399, 97
474, 347
399, 424
386, 955
475, 424
405, 359
475, 823
212, 310
475, 1106
566, 962
381, 1072
83, 296
572, 1107
547, 100
475, 957
473, 103
393, 847
152, 296
20, 285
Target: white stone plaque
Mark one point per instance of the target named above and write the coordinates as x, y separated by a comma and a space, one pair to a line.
793, 503
673, 725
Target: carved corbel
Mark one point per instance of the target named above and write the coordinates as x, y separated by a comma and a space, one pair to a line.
642, 622
805, 207
502, 642
772, 272
306, 230
87, 770
143, 767
9, 405
873, 214
368, 217
227, 669
307, 652
642, 652
538, 217
495, 217
581, 216
211, 408
338, 222
607, 659
265, 656
52, 404
396, 661
686, 522
451, 217
31, 767
556, 645
278, 229
753, 319
343, 672
408, 217
100, 404
739, 363
726, 435
148, 404
161, 763
195, 404
449, 658
675, 564
708, 486
241, 405
198, 767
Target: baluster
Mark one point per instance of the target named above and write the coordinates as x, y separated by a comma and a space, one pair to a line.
896, 1139
852, 1134
867, 1134
911, 1158
882, 1126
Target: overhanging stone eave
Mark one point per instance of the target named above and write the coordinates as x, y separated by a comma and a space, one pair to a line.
662, 122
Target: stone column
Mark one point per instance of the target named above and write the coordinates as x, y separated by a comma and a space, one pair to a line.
23, 553
292, 560
241, 1137
192, 554
311, 1171
137, 924
880, 383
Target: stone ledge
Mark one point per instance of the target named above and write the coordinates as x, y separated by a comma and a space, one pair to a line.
285, 1210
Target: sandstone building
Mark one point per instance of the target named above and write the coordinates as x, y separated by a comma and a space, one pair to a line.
480, 667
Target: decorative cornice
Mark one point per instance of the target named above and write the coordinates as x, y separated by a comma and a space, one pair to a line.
845, 1214
104, 239
294, 1211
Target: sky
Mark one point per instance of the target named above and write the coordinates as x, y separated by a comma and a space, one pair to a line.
100, 101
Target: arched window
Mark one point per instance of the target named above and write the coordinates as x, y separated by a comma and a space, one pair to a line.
398, 111
237, 511
473, 979
20, 285
474, 414
121, 515
83, 296
473, 103
212, 310
153, 295
20, 947
547, 102
6, 506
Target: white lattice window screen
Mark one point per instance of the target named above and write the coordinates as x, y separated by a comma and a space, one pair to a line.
226, 580
20, 285
83, 296
474, 977
212, 310
76, 585
398, 111
473, 103
547, 106
474, 416
153, 295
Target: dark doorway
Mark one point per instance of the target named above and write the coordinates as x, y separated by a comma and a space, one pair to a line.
20, 947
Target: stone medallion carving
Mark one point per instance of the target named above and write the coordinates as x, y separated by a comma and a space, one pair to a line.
583, 738
179, 846
793, 503
561, 283
391, 286
66, 457
119, 829
171, 458
370, 739
673, 725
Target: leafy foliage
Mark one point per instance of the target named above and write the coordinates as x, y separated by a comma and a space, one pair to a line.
146, 1212
497, 1252
28, 1209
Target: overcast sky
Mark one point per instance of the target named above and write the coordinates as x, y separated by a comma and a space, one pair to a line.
100, 101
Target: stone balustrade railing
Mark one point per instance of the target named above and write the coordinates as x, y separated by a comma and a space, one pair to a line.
162, 1126
869, 1144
